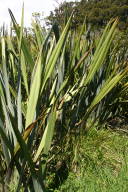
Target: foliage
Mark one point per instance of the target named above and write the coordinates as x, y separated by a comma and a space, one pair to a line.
51, 82
97, 13
101, 163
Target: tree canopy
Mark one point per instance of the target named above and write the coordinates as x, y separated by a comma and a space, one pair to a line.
96, 12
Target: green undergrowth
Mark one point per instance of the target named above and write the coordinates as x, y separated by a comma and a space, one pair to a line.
99, 163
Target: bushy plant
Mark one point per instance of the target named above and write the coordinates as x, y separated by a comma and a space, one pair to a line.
50, 85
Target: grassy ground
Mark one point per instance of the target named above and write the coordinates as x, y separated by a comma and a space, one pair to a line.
100, 164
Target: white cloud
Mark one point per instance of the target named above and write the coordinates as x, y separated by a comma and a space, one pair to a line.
42, 6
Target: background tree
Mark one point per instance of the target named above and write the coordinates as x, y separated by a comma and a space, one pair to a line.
97, 12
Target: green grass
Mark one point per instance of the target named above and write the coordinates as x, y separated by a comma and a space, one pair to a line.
100, 164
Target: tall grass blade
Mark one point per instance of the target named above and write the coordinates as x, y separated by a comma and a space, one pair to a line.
55, 53
34, 94
25, 49
106, 88
47, 136
100, 53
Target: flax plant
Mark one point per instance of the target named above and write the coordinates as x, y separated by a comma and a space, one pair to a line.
62, 80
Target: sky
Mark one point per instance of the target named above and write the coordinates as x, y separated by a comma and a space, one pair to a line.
30, 6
